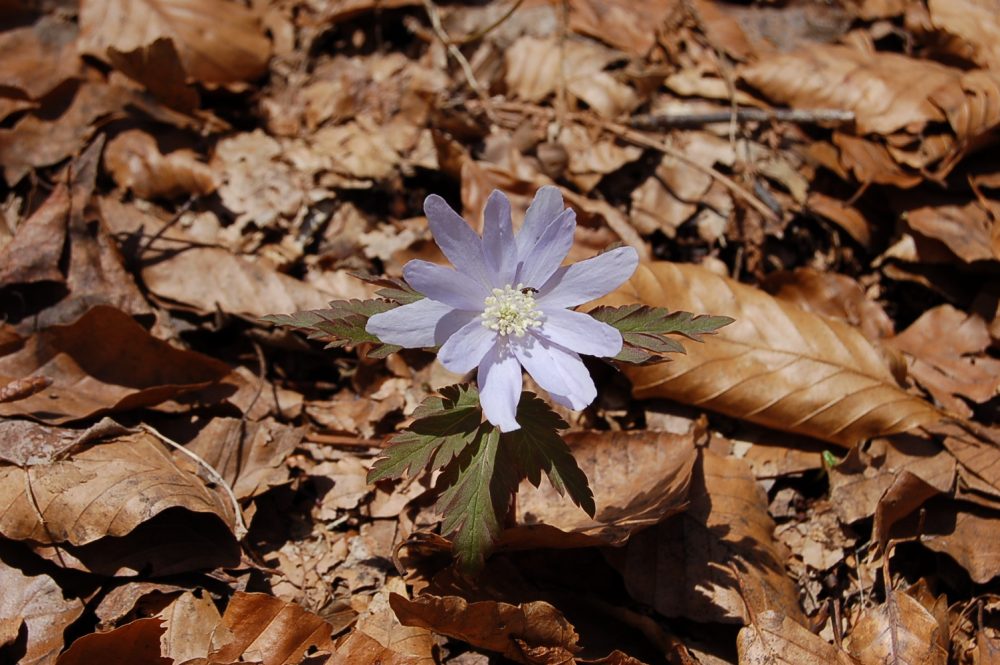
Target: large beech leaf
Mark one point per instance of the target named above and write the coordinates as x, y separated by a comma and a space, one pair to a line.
218, 41
107, 489
777, 365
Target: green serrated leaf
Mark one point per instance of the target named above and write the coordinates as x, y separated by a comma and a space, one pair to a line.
537, 447
341, 324
475, 499
392, 289
643, 330
443, 426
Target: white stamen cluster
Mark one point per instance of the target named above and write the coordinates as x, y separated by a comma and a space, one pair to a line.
511, 310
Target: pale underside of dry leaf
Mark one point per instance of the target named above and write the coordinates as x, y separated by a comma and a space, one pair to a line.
777, 365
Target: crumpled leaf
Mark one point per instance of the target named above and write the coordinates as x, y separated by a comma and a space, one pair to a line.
643, 329
774, 639
900, 630
136, 163
218, 41
107, 489
137, 643
39, 602
34, 253
530, 633
777, 365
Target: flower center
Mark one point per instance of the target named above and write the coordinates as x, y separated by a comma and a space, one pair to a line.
511, 310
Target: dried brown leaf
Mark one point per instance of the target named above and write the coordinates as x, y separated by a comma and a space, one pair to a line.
958, 368
188, 623
638, 478
974, 24
968, 534
158, 67
531, 633
107, 489
135, 599
261, 628
680, 566
357, 648
631, 27
900, 630
218, 41
103, 362
39, 602
965, 227
136, 643
777, 365
39, 57
135, 162
33, 255
774, 639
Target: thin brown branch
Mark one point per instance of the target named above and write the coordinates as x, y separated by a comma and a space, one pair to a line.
652, 122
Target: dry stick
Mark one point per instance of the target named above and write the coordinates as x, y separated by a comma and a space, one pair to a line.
470, 76
240, 527
743, 114
636, 137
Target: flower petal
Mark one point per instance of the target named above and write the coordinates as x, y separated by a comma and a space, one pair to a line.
580, 332
423, 323
445, 285
559, 371
584, 281
550, 250
500, 388
544, 208
467, 347
457, 240
499, 248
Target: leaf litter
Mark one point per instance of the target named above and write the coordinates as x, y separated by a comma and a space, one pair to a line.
818, 482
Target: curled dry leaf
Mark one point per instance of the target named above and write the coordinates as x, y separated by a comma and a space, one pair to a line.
777, 365
900, 630
158, 67
188, 624
136, 643
107, 489
260, 628
680, 566
39, 57
37, 602
629, 26
959, 368
975, 27
531, 633
135, 162
33, 255
968, 534
774, 639
218, 41
639, 479
966, 228
129, 369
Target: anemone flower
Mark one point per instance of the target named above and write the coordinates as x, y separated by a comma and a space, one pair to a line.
505, 305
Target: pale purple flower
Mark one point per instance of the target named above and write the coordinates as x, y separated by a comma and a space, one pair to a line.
505, 304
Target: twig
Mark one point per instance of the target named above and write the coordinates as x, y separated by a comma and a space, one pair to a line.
344, 440
652, 122
240, 527
636, 137
479, 34
454, 52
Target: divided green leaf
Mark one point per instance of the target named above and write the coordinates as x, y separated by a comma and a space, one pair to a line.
644, 330
537, 447
442, 427
392, 289
343, 323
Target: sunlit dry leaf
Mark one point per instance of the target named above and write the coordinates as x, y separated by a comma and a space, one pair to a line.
105, 361
135, 599
975, 26
188, 624
357, 648
886, 91
900, 630
777, 365
871, 162
965, 227
862, 479
380, 623
211, 278
534, 66
639, 479
39, 57
136, 643
958, 368
38, 602
843, 215
261, 628
136, 163
680, 566
631, 27
774, 639
833, 295
36, 141
218, 41
534, 632
977, 450
108, 489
